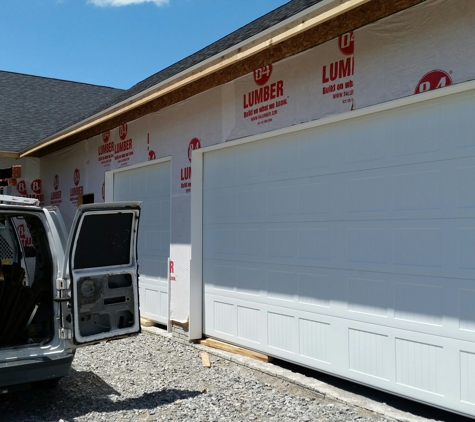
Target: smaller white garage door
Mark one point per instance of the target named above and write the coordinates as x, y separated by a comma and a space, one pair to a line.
151, 185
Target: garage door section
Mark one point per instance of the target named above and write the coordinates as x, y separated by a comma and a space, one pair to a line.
150, 184
350, 248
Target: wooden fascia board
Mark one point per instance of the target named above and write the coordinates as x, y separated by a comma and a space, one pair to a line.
7, 154
315, 33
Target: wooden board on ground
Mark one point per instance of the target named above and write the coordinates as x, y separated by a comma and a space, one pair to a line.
235, 349
147, 322
205, 360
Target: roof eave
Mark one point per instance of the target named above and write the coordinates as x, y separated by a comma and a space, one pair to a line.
315, 25
291, 27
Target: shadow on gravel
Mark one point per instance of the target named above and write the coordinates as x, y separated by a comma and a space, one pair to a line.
405, 405
78, 394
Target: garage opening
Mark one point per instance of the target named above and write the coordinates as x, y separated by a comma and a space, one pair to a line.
149, 183
350, 248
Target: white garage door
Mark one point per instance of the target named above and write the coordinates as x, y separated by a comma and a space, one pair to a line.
150, 184
350, 248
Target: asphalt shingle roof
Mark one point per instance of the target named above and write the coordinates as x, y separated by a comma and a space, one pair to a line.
33, 108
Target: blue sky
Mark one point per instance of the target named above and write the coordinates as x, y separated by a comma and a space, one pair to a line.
114, 42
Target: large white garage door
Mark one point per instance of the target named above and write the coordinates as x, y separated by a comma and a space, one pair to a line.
350, 248
150, 184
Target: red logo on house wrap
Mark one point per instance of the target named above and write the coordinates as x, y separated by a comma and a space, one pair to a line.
106, 136
433, 80
194, 144
123, 131
21, 231
346, 43
36, 186
56, 196
25, 236
77, 177
262, 75
21, 187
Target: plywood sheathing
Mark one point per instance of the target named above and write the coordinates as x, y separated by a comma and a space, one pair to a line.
356, 18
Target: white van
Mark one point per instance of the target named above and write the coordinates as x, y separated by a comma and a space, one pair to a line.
59, 293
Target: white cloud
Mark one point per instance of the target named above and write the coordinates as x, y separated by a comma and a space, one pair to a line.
118, 3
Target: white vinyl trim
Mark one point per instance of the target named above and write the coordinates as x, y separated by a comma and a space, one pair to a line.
196, 264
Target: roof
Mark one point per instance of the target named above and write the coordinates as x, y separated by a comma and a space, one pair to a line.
47, 106
32, 107
234, 55
255, 27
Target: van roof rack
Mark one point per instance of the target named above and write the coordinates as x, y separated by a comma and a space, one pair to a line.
19, 200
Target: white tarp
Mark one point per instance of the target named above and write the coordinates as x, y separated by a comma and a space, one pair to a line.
64, 177
426, 47
29, 184
423, 48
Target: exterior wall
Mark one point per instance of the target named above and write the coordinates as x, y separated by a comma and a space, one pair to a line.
29, 185
423, 48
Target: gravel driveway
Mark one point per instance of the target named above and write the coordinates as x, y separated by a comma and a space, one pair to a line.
150, 377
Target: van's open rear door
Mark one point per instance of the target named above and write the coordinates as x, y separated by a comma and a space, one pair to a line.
101, 262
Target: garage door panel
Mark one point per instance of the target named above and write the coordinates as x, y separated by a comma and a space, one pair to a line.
151, 185
315, 159
154, 267
421, 304
361, 351
230, 277
164, 218
224, 320
372, 143
153, 299
324, 155
431, 247
221, 171
246, 326
263, 324
429, 190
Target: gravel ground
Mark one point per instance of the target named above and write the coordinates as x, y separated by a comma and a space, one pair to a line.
153, 378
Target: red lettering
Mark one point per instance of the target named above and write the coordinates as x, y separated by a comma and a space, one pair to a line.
280, 88
325, 78
266, 93
263, 94
344, 68
258, 96
76, 191
339, 69
185, 173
